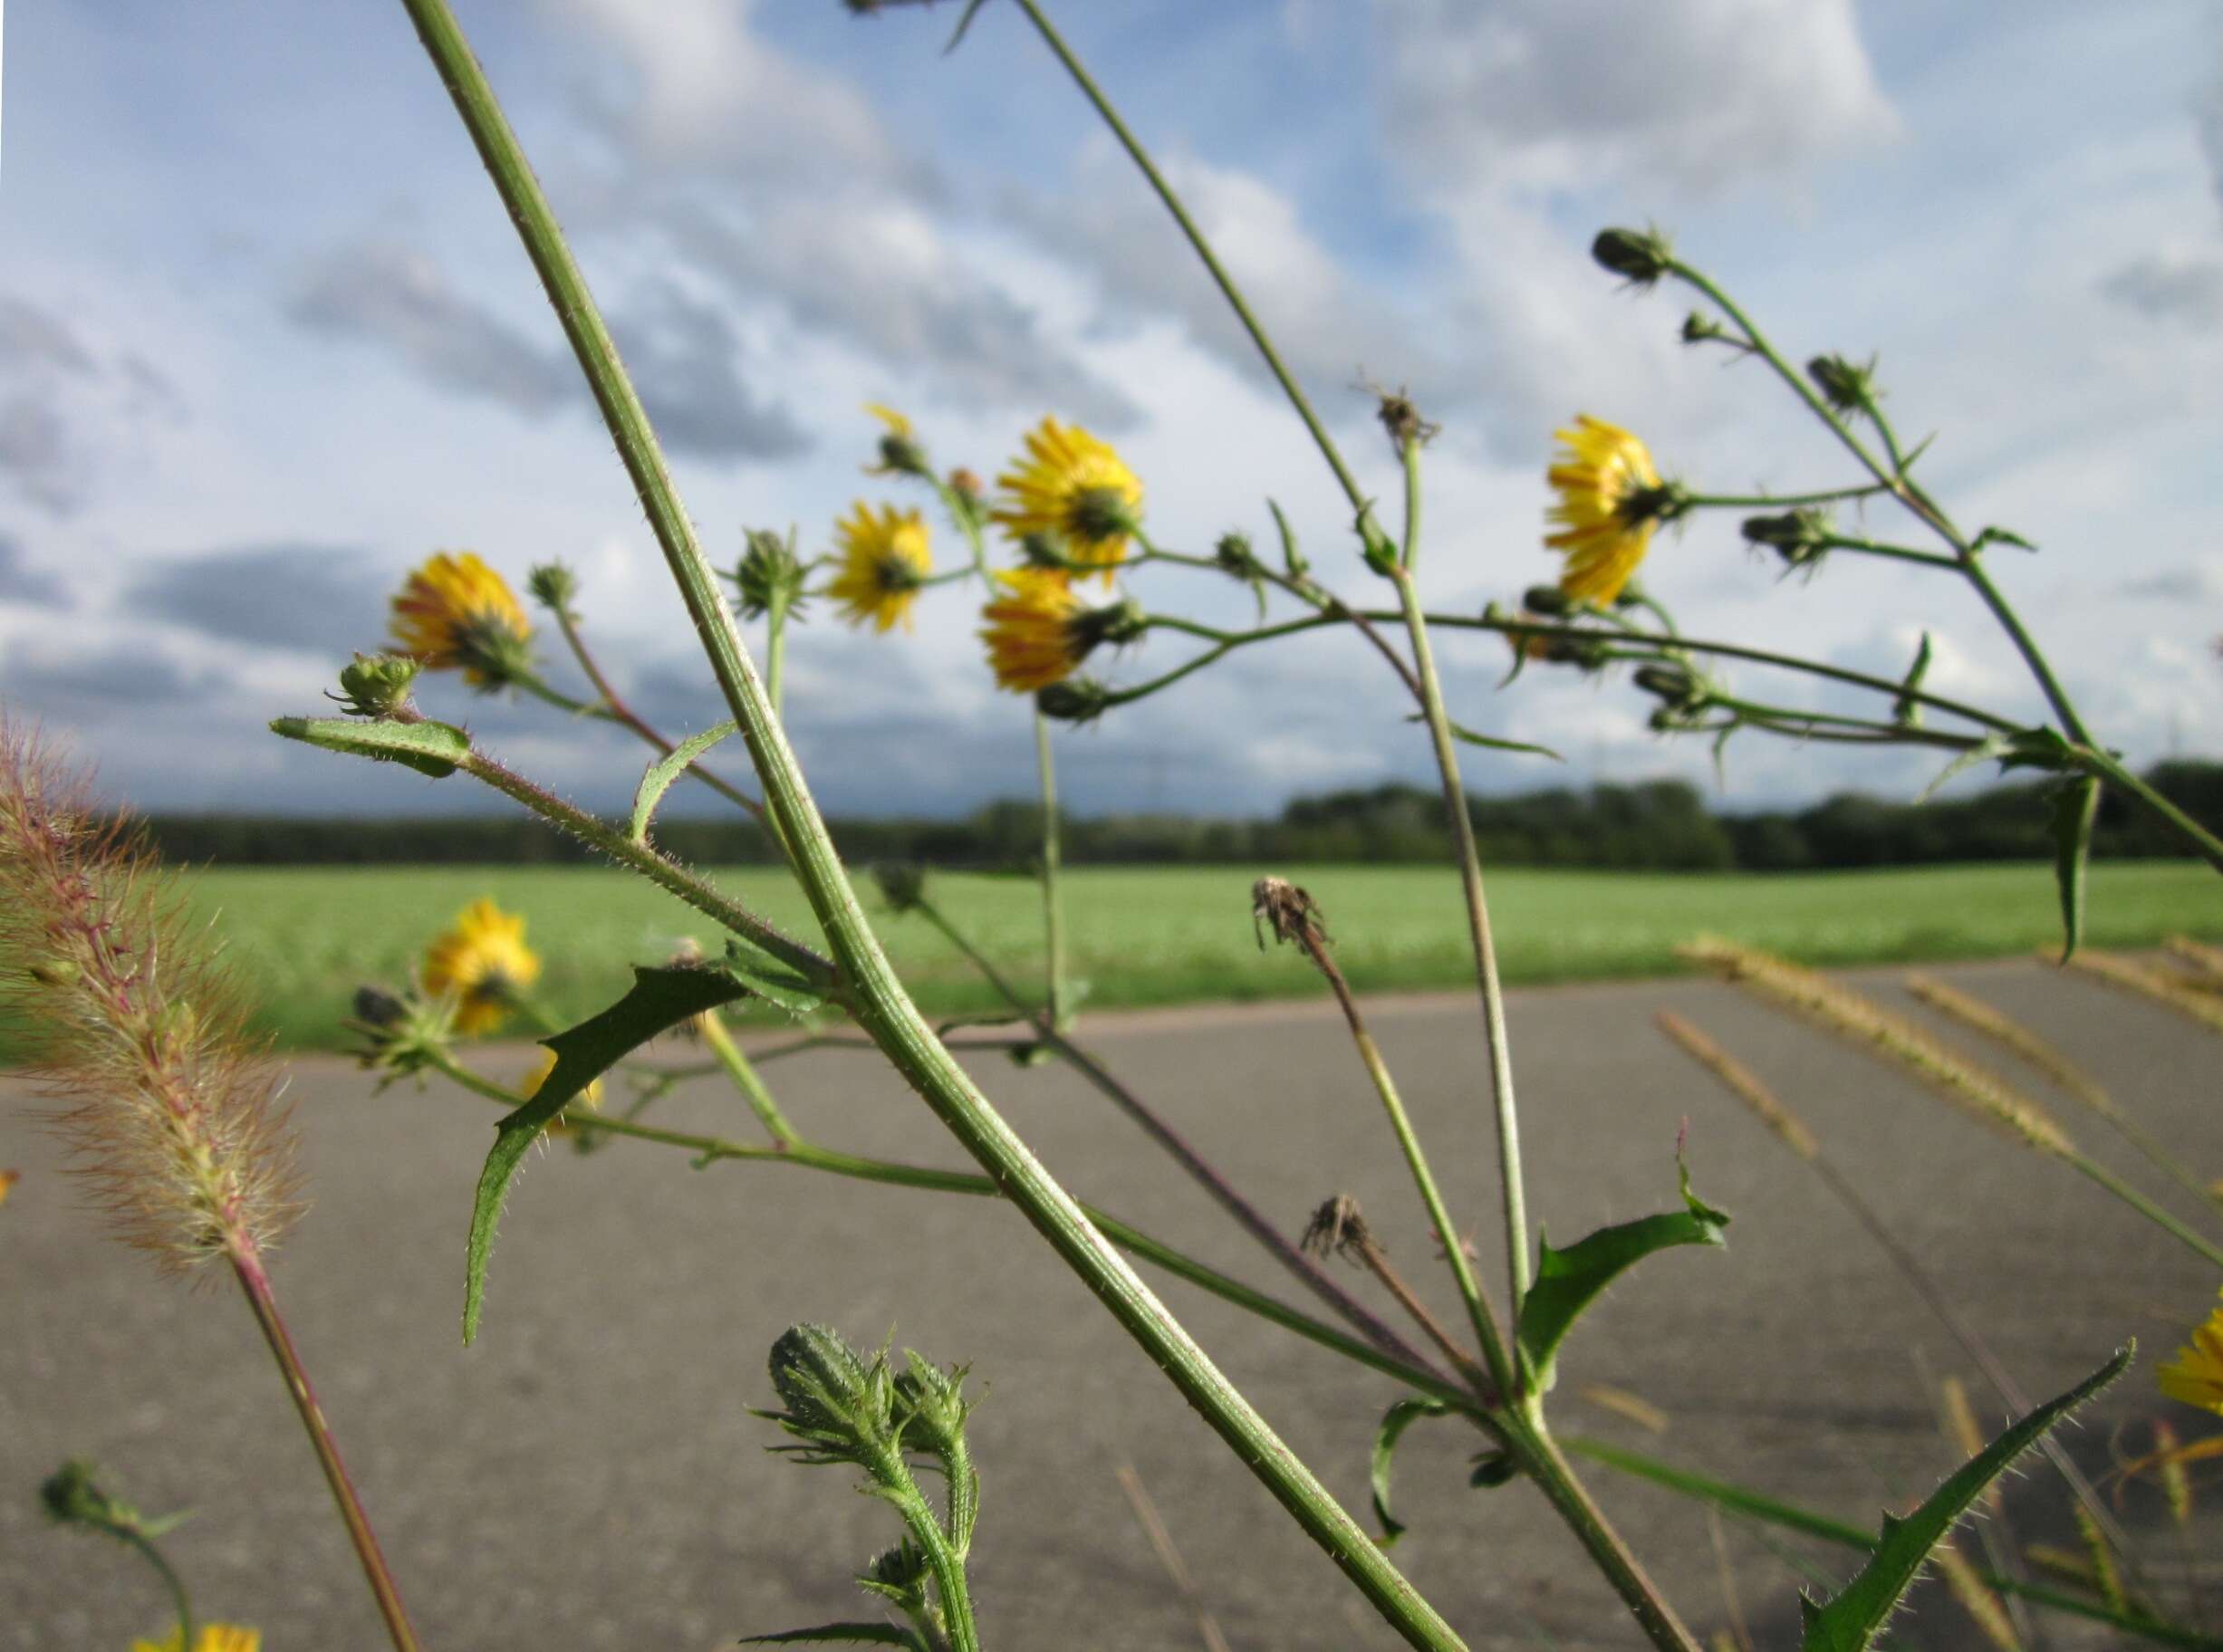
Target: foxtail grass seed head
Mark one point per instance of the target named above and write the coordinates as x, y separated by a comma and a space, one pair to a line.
2003, 1029
900, 452
1856, 1018
377, 684
1639, 256
1070, 484
2195, 1377
132, 1034
482, 965
454, 613
1611, 499
2168, 1459
2206, 961
2202, 1007
769, 575
1975, 1596
1965, 1435
1742, 1082
884, 557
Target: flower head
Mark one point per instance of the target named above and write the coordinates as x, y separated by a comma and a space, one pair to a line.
901, 452
483, 963
457, 613
212, 1638
2196, 1375
132, 1030
1611, 498
8, 1179
1037, 631
885, 559
1070, 485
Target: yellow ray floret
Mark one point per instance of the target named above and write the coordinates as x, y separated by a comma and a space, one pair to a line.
885, 558
484, 963
1031, 631
212, 1638
1073, 486
1610, 497
457, 613
2196, 1375
590, 1096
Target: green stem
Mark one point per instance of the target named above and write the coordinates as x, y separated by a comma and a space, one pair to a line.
1055, 1007
746, 1079
1228, 290
942, 1559
875, 997
775, 649
613, 708
247, 1265
2145, 1207
1972, 565
1533, 1444
181, 1602
1744, 502
1478, 933
1899, 553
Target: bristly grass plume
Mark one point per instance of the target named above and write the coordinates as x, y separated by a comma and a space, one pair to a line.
134, 1033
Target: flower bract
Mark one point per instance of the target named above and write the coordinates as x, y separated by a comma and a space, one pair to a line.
1610, 500
483, 963
885, 559
456, 613
1070, 485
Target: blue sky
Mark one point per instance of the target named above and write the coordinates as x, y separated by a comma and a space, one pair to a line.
267, 341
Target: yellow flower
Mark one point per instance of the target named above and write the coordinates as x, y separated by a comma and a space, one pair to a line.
8, 1179
897, 424
1031, 631
212, 1638
2196, 1376
899, 450
592, 1097
1611, 499
484, 963
455, 611
885, 558
1074, 485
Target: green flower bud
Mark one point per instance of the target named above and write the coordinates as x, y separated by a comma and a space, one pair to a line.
1800, 536
553, 586
1233, 553
1642, 256
1672, 684
1118, 623
769, 575
1700, 328
1847, 387
71, 1496
376, 684
839, 1407
1077, 699
902, 884
1547, 601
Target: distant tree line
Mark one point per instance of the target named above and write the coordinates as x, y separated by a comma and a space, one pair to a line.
1662, 825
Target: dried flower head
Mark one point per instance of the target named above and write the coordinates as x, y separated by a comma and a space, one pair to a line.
482, 965
132, 1034
885, 559
1611, 498
1292, 913
456, 613
1070, 485
1338, 1226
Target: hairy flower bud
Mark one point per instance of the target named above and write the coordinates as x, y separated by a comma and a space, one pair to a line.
769, 575
1547, 601
553, 586
376, 684
1845, 385
1801, 537
1642, 256
1077, 699
902, 884
1675, 685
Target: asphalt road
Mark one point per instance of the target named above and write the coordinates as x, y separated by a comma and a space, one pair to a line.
589, 1474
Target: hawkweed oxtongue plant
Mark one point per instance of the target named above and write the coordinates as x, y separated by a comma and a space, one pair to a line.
138, 1042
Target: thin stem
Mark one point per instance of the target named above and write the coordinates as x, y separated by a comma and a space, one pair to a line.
1228, 290
1410, 551
942, 1559
1247, 1215
775, 649
616, 710
1972, 565
746, 1079
246, 1264
181, 1602
2145, 1206
1055, 1007
874, 996
2104, 765
1744, 502
1897, 554
1485, 947
1551, 1471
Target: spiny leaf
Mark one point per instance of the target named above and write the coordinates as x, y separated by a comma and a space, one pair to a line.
2074, 806
429, 748
1568, 1280
659, 1000
1394, 1422
660, 775
853, 1634
1496, 744
779, 985
1852, 1619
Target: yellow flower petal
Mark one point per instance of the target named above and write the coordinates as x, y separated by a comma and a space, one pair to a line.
1074, 486
212, 1638
1605, 479
1030, 633
485, 962
885, 556
455, 612
2196, 1375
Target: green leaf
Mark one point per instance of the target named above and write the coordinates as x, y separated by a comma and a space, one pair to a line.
1292, 558
1907, 711
1394, 1422
1989, 746
1472, 738
667, 769
661, 999
1852, 1619
430, 748
780, 984
853, 1634
1568, 1280
1999, 536
972, 10
2074, 806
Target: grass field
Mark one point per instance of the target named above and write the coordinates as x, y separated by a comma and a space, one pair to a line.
305, 938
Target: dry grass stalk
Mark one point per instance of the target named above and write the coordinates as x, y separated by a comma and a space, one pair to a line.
1743, 1083
2206, 961
2118, 971
1964, 1434
2004, 1029
1975, 1596
1985, 1095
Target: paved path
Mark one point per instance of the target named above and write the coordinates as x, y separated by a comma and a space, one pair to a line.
588, 1476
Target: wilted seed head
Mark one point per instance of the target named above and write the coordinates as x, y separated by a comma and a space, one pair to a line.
1641, 256
1966, 1584
1077, 699
1338, 1226
1847, 387
552, 585
1291, 914
2202, 1007
376, 684
169, 1108
1851, 1017
1401, 420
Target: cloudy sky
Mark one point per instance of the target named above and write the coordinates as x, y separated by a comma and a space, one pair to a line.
267, 341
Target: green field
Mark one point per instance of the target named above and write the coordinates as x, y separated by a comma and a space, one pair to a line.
305, 938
